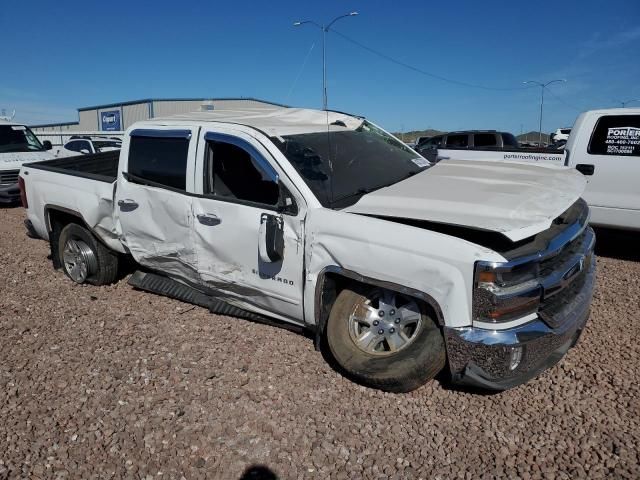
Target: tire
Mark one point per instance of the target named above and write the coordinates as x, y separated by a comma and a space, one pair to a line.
401, 370
82, 247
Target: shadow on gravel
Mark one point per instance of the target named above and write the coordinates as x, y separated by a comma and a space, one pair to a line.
258, 472
620, 244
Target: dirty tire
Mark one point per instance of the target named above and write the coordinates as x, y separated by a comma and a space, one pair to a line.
403, 371
106, 270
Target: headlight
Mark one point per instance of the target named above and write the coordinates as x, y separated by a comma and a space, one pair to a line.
502, 293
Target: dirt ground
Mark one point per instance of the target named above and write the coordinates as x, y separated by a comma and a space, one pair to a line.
109, 382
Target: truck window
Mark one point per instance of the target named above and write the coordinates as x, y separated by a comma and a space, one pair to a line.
508, 140
18, 138
458, 141
616, 135
74, 146
485, 140
160, 160
233, 173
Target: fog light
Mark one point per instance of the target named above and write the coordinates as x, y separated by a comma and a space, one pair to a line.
516, 357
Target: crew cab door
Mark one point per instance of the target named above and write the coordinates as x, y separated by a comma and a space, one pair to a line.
153, 209
248, 225
607, 151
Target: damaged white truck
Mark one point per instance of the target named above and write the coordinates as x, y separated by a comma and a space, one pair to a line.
323, 220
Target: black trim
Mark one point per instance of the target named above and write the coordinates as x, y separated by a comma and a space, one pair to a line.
77, 166
159, 133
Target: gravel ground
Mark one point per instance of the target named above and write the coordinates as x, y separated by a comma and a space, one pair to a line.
109, 382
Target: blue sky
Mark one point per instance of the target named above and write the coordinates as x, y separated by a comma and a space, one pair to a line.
62, 55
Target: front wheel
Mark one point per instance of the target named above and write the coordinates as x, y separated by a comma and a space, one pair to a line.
84, 259
384, 339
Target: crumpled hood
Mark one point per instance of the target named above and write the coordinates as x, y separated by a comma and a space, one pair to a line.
13, 160
515, 199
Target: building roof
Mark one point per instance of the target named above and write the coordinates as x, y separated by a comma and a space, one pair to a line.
149, 100
273, 121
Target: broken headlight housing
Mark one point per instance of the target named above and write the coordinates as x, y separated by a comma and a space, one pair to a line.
503, 292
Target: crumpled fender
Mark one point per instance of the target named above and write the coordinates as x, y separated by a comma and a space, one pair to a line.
436, 264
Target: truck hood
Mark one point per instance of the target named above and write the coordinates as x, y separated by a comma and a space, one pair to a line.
516, 200
13, 160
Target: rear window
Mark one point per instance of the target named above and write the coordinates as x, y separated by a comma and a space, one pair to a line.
459, 141
616, 135
484, 140
159, 160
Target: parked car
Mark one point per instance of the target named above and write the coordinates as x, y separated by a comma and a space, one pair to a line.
483, 145
327, 222
86, 145
561, 134
605, 146
18, 145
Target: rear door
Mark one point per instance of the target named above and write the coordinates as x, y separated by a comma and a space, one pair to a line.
153, 209
244, 192
608, 153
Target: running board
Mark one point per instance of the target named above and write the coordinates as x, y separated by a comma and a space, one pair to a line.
161, 285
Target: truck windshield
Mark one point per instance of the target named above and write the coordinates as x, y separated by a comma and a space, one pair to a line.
342, 164
18, 138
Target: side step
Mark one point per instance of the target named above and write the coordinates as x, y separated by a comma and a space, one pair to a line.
161, 285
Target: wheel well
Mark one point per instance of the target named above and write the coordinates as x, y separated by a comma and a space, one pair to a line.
56, 221
331, 283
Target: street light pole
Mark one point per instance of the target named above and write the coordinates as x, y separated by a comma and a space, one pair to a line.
325, 29
542, 86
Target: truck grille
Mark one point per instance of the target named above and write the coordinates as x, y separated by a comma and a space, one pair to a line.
9, 177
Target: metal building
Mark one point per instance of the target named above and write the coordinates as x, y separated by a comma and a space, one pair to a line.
116, 117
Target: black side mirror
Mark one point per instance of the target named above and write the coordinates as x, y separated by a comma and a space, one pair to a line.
47, 145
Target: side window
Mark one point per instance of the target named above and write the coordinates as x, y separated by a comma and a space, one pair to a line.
160, 160
458, 141
73, 146
616, 135
85, 145
484, 140
234, 173
508, 140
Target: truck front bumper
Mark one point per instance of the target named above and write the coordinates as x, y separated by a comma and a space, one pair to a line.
9, 194
502, 359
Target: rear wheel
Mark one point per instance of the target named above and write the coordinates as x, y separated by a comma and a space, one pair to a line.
84, 259
384, 339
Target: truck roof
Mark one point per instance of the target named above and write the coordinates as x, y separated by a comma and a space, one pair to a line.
615, 111
273, 121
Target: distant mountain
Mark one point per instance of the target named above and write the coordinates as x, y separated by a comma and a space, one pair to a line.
533, 137
414, 134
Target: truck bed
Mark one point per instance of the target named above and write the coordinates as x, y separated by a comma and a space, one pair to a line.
98, 166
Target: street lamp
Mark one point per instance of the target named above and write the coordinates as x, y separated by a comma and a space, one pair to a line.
325, 29
543, 86
624, 104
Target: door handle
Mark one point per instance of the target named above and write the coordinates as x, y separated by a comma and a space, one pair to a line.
208, 219
127, 205
585, 168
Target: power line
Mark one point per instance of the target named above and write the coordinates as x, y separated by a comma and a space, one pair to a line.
424, 72
304, 63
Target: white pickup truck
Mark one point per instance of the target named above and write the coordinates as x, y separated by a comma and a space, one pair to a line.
325, 221
18, 145
604, 145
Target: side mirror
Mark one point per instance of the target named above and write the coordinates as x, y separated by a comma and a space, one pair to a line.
271, 241
47, 145
84, 150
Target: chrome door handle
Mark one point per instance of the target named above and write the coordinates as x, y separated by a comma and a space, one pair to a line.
127, 205
208, 219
